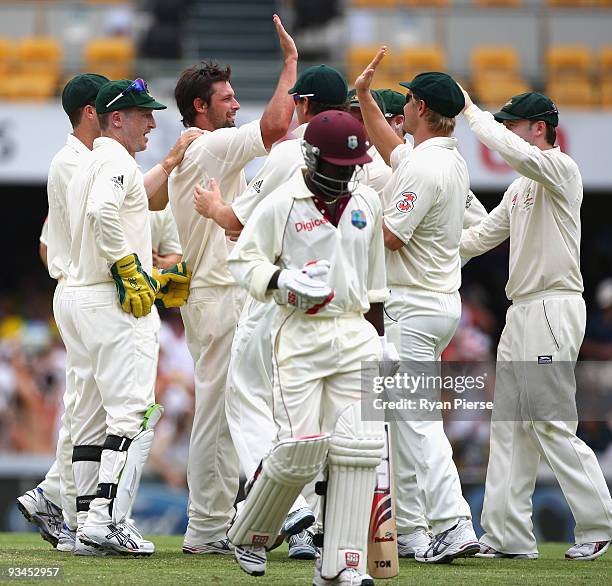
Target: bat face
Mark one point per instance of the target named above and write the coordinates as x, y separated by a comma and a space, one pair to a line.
382, 544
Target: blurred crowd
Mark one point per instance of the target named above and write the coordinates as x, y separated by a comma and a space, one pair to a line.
32, 369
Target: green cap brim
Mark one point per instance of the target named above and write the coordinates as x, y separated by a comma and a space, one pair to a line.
501, 115
405, 84
153, 105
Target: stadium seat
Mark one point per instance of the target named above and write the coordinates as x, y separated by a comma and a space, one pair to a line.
498, 91
39, 55
498, 3
573, 93
359, 56
606, 93
564, 61
487, 60
28, 87
112, 57
424, 3
373, 3
570, 3
6, 56
417, 59
605, 61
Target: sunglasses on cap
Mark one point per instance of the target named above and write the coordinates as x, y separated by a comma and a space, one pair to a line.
138, 85
553, 111
298, 97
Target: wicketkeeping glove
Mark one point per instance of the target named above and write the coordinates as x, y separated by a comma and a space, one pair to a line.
174, 285
302, 290
390, 361
136, 289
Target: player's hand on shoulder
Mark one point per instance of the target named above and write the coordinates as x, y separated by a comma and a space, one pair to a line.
206, 201
177, 152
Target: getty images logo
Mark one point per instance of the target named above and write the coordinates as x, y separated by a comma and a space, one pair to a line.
310, 225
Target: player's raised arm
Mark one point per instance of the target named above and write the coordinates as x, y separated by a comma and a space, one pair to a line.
381, 134
276, 119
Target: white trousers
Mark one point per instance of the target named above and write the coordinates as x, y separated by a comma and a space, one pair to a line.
58, 484
248, 402
115, 364
428, 491
210, 317
542, 325
318, 368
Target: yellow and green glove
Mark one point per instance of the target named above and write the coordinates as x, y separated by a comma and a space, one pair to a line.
136, 289
174, 285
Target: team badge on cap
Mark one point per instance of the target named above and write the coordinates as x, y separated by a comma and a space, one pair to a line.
352, 142
406, 204
358, 219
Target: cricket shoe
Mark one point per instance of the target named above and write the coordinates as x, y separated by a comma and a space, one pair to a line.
302, 547
66, 539
122, 538
457, 542
587, 551
220, 547
347, 577
81, 549
415, 543
40, 511
298, 520
486, 551
251, 558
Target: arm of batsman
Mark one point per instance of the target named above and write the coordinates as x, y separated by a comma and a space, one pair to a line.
174, 285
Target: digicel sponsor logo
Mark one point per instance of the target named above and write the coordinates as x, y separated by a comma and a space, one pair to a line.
310, 225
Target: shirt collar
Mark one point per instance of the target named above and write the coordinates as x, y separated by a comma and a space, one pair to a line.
73, 142
297, 186
446, 142
300, 130
107, 142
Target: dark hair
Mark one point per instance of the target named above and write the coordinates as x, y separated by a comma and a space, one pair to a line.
76, 116
551, 132
315, 108
196, 82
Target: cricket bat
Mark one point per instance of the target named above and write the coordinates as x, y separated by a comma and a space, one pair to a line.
383, 559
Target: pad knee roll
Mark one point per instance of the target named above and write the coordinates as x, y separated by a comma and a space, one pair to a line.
355, 450
282, 475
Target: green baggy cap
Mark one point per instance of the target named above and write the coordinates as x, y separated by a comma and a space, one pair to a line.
439, 91
81, 90
123, 94
529, 106
321, 84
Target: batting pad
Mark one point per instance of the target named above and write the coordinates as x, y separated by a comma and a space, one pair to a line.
86, 470
355, 450
282, 475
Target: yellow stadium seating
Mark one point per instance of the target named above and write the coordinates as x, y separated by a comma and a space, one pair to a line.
568, 61
424, 3
417, 59
606, 93
6, 55
605, 61
498, 91
359, 56
573, 92
570, 3
42, 55
28, 87
374, 3
112, 57
498, 3
487, 60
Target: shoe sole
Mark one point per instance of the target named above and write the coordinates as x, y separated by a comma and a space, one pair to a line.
302, 554
295, 528
589, 558
504, 556
189, 551
37, 523
110, 548
469, 550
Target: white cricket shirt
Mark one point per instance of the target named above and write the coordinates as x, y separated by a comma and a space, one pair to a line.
287, 230
221, 154
108, 212
424, 206
540, 213
57, 237
164, 235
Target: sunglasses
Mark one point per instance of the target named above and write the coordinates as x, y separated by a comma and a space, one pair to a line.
298, 97
554, 111
138, 85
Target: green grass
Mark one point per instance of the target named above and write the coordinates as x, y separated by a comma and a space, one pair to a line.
169, 566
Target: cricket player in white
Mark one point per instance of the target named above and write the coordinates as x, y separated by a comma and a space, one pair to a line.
41, 505
315, 244
78, 101
424, 208
540, 213
206, 100
165, 239
249, 398
113, 338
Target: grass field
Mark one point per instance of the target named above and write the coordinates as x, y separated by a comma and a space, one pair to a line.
169, 566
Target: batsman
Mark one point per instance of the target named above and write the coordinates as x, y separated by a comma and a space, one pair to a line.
329, 283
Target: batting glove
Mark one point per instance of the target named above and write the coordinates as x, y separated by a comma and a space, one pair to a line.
390, 360
136, 289
302, 290
174, 285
